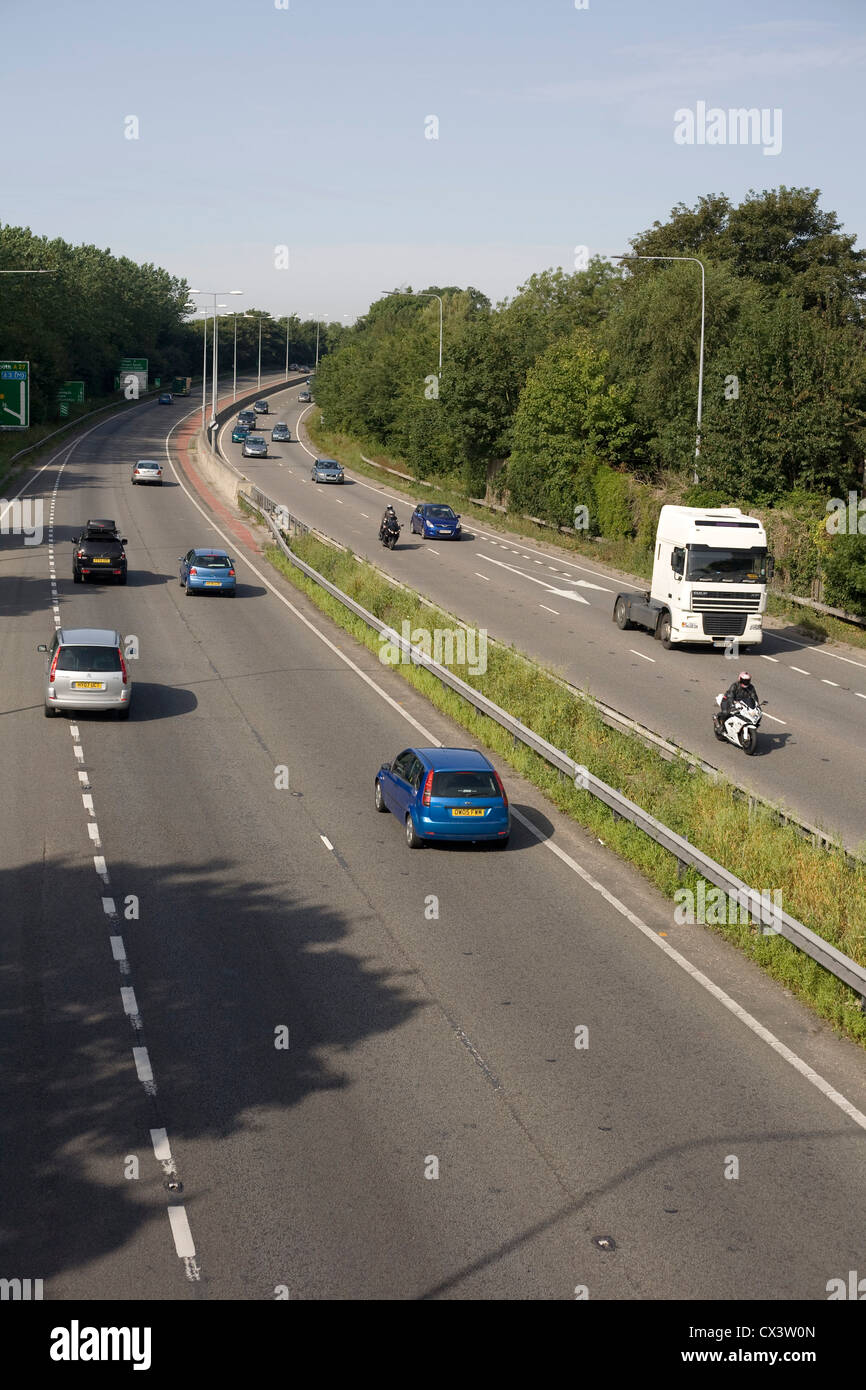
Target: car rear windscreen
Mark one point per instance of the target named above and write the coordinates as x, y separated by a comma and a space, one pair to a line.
88, 659
211, 562
464, 784
97, 546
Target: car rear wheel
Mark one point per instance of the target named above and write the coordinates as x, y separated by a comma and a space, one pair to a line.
76, 577
189, 590
502, 844
231, 592
379, 798
413, 839
49, 711
122, 579
123, 713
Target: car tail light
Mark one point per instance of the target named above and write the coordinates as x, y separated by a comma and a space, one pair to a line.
53, 666
501, 788
193, 570
232, 573
81, 554
122, 664
428, 785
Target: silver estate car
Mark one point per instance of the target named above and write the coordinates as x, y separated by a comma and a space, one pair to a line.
85, 668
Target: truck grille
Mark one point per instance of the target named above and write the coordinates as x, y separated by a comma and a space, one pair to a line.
713, 600
728, 624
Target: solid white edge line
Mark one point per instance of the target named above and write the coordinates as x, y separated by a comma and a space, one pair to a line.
807, 1072
719, 994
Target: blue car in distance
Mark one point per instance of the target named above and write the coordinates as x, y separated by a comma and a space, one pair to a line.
239, 434
165, 398
207, 571
435, 519
444, 794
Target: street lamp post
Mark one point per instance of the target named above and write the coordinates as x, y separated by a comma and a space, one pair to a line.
424, 294
317, 344
215, 293
696, 260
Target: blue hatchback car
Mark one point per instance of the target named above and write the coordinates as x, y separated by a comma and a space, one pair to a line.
435, 519
444, 794
208, 571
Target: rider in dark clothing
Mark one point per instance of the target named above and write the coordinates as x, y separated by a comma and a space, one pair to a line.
389, 521
740, 689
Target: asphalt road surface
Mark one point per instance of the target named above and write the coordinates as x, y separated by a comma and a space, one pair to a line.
184, 894
812, 752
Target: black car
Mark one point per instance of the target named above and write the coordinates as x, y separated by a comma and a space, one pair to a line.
97, 552
248, 418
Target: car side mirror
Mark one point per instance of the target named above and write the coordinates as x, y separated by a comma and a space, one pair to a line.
123, 540
42, 647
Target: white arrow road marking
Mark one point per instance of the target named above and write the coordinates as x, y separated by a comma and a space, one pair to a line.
561, 593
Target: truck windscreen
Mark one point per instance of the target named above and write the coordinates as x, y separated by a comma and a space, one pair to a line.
725, 566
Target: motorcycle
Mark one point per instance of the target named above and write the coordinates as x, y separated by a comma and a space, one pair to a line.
388, 534
740, 726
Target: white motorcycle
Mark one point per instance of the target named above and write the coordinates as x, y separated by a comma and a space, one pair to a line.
741, 725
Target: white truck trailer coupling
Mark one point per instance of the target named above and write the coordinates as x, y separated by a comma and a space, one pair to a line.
709, 580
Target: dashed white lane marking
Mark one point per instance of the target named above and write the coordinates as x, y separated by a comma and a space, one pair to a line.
826, 682
79, 752
769, 658
774, 718
859, 696
485, 577
183, 1241
118, 951
84, 779
93, 832
130, 1007
819, 651
326, 842
73, 729
538, 562
364, 515
108, 907
162, 1148
432, 551
100, 867
144, 1069
87, 802
552, 569
644, 655
336, 499
800, 669
549, 610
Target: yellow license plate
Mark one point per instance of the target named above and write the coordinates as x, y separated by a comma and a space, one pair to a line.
465, 811
100, 562
87, 685
212, 584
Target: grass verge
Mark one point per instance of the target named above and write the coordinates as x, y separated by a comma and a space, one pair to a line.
818, 887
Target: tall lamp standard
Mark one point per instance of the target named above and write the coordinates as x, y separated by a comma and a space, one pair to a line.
424, 294
215, 293
696, 261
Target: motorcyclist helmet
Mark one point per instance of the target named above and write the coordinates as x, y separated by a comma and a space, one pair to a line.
744, 678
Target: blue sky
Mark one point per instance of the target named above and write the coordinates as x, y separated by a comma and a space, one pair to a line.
305, 127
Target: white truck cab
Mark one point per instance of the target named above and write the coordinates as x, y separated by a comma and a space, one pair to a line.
709, 579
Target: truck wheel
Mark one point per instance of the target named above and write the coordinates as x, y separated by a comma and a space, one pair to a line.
620, 614
664, 631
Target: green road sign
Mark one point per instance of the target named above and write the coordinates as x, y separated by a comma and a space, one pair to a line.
133, 364
71, 391
14, 395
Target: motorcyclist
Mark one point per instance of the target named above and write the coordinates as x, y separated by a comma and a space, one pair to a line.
740, 689
389, 521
